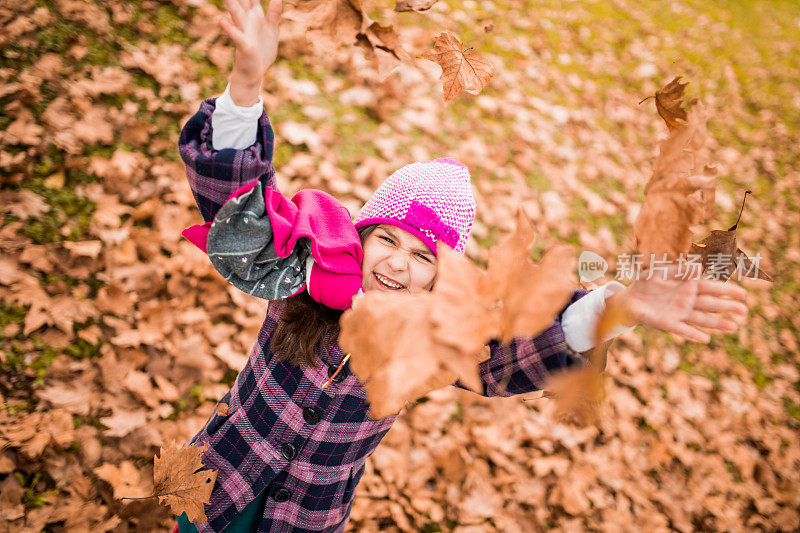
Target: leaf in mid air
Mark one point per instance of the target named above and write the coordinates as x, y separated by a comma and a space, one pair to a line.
669, 104
679, 194
406, 345
720, 256
461, 70
420, 6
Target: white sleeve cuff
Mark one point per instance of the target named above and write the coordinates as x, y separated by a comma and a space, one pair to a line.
233, 126
579, 320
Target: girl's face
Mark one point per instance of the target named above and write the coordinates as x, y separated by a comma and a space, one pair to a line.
395, 260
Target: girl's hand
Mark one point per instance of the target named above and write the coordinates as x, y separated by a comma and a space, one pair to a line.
686, 307
256, 38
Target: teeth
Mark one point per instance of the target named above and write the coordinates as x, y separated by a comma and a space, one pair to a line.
387, 282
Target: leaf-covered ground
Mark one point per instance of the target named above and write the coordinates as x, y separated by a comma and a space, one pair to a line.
118, 337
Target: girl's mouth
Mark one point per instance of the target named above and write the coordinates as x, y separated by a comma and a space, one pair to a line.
386, 283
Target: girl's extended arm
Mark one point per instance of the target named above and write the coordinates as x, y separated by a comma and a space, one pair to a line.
255, 34
691, 308
214, 172
524, 364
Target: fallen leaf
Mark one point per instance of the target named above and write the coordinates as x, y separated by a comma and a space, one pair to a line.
89, 249
125, 479
420, 6
669, 104
24, 203
123, 422
461, 70
181, 481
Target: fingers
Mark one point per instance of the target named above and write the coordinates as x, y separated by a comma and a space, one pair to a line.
237, 11
720, 288
690, 333
233, 32
711, 321
715, 304
274, 12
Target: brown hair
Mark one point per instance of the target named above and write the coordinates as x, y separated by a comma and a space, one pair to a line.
305, 325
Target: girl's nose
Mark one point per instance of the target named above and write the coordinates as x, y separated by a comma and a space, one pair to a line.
397, 261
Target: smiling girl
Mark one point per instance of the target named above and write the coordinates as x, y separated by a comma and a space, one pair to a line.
291, 447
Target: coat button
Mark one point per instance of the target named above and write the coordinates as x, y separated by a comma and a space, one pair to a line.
340, 376
289, 451
281, 495
310, 415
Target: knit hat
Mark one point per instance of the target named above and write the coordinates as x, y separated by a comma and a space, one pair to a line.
430, 199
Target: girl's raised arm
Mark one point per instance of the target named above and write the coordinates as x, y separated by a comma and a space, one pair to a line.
255, 35
226, 145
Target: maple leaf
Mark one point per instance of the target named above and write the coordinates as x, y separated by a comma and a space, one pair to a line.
679, 194
721, 257
333, 23
338, 21
669, 104
461, 71
517, 279
513, 297
440, 336
420, 6
181, 481
391, 376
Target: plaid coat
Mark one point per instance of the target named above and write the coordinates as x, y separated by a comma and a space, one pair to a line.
283, 433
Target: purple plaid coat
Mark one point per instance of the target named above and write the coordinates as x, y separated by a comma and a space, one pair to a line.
284, 433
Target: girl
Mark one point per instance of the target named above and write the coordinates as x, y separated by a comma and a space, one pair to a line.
291, 448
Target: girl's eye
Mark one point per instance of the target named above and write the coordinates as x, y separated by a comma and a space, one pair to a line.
424, 258
385, 238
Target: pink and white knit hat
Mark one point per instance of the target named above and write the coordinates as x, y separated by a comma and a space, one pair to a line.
430, 199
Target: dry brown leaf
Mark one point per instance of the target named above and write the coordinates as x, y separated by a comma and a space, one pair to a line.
720, 257
513, 297
89, 249
679, 194
181, 481
337, 21
123, 422
531, 293
669, 104
24, 203
439, 336
333, 23
420, 6
125, 479
390, 377
24, 130
461, 70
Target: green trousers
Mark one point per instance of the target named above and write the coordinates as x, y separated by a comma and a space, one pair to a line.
245, 522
